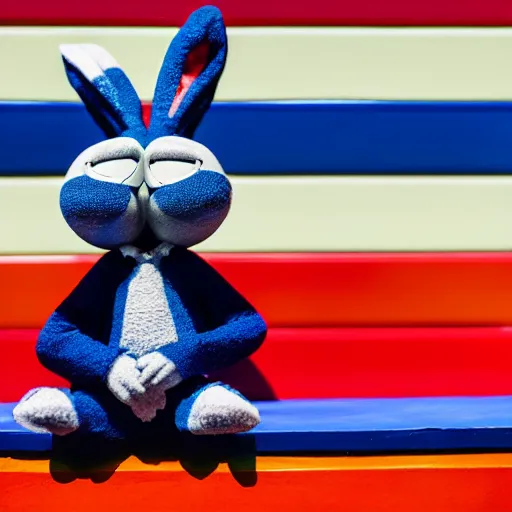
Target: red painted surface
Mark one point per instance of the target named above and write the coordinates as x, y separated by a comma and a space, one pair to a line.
24, 372
423, 484
331, 363
306, 290
262, 12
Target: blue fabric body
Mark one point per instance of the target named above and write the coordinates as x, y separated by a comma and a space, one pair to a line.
216, 328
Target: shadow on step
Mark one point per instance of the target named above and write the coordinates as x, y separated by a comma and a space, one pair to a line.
248, 379
80, 457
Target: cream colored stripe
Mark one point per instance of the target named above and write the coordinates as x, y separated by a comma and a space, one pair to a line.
283, 63
303, 214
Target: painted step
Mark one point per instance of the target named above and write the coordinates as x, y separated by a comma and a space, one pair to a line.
354, 62
331, 363
264, 12
405, 137
306, 290
354, 426
450, 483
316, 213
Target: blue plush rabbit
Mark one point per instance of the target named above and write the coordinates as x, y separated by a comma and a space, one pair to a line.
140, 331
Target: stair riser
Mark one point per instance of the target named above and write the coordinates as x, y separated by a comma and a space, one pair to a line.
332, 363
398, 489
306, 290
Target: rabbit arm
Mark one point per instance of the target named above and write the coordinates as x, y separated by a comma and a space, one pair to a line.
73, 355
213, 350
73, 343
232, 329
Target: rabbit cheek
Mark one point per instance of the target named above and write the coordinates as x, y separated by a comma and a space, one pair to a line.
103, 214
189, 211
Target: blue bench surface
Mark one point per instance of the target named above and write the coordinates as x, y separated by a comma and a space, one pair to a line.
357, 425
338, 137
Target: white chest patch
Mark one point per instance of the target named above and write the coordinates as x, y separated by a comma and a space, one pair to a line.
147, 323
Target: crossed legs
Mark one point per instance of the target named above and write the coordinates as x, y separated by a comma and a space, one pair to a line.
200, 408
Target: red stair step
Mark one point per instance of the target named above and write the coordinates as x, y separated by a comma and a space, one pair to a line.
306, 290
449, 483
264, 12
332, 363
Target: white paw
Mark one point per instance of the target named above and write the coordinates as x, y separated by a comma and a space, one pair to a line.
146, 406
158, 370
220, 411
47, 410
123, 379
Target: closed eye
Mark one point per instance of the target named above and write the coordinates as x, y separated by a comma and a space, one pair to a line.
172, 159
117, 171
171, 171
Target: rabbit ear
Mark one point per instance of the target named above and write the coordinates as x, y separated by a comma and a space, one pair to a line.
189, 76
105, 90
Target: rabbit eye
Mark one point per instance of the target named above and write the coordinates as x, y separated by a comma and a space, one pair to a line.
119, 160
116, 171
172, 159
171, 171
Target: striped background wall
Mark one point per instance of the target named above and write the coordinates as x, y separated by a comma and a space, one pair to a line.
410, 122
369, 146
347, 128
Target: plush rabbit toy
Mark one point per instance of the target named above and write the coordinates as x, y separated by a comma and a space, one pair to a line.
137, 335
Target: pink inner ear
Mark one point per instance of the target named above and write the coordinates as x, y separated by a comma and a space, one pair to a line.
194, 65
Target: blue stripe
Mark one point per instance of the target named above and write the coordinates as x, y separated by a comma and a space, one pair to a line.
357, 425
291, 137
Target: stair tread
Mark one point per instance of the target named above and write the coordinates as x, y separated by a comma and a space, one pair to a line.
352, 425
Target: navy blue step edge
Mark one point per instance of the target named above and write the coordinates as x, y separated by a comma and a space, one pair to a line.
357, 425
260, 138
